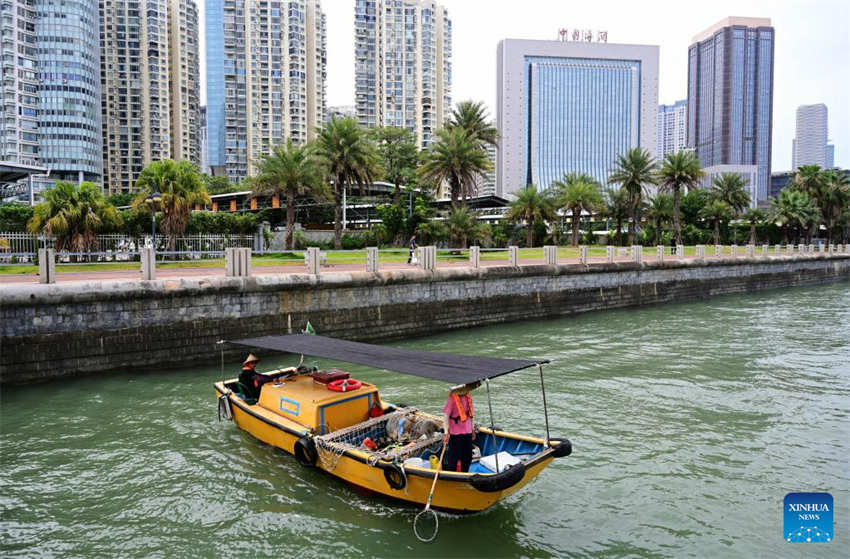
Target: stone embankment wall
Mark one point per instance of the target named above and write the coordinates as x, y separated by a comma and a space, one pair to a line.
63, 329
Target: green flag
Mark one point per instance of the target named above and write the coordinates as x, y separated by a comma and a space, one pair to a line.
309, 329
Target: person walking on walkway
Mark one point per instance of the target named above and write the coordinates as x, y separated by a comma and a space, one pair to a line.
411, 258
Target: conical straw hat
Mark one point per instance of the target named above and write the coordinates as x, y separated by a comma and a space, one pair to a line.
251, 359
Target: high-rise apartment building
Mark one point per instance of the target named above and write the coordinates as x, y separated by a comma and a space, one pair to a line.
266, 72
205, 147
51, 88
69, 100
730, 95
19, 116
150, 80
402, 65
809, 146
571, 107
672, 128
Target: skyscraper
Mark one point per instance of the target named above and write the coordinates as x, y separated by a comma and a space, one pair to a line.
809, 145
571, 107
51, 88
730, 95
149, 77
266, 70
672, 128
402, 65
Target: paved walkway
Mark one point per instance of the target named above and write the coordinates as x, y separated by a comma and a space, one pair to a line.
214, 271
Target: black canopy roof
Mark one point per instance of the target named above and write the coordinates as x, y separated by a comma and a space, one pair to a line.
456, 369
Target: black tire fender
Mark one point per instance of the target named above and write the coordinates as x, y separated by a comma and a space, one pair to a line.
305, 451
508, 477
563, 447
395, 476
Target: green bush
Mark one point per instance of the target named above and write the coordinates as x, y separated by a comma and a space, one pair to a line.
352, 242
14, 217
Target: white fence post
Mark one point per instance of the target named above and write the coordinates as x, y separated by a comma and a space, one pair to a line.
228, 262
429, 258
513, 256
765, 249
609, 253
680, 251
46, 265
148, 258
811, 248
718, 250
751, 251
637, 253
475, 256
700, 251
659, 252
372, 259
312, 258
733, 251
582, 254
550, 255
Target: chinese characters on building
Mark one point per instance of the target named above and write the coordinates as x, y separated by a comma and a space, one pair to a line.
584, 35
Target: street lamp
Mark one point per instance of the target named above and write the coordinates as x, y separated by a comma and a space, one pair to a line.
153, 200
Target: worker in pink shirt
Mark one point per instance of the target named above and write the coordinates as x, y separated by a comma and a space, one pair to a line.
459, 431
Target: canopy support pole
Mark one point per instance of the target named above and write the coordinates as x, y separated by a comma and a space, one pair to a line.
492, 425
545, 410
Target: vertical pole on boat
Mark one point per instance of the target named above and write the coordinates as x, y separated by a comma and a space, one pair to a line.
545, 411
492, 425
220, 343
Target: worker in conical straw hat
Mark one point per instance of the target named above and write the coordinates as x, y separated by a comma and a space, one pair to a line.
459, 430
249, 378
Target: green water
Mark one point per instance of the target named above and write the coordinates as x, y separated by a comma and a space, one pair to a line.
689, 425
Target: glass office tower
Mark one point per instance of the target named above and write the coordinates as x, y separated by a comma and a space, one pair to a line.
730, 95
215, 83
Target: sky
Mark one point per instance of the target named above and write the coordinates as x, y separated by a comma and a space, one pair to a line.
811, 65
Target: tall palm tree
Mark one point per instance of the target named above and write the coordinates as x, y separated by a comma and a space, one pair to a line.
618, 208
732, 189
472, 116
717, 211
73, 215
636, 172
836, 199
528, 207
679, 170
793, 210
350, 157
180, 185
457, 159
290, 171
659, 211
755, 217
578, 193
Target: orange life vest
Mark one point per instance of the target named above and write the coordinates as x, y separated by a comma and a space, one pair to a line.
460, 411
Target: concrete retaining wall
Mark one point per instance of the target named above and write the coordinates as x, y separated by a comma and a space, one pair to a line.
77, 328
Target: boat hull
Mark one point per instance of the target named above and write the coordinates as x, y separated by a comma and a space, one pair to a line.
454, 491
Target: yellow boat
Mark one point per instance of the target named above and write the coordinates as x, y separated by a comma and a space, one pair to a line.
331, 426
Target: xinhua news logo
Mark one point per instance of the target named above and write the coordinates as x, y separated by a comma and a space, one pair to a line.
807, 518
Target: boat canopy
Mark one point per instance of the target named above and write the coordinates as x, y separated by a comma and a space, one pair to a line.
456, 369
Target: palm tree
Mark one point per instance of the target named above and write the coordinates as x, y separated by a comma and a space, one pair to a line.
462, 227
660, 210
715, 212
635, 171
399, 156
755, 217
732, 189
618, 208
678, 170
793, 209
290, 171
472, 117
457, 159
528, 207
578, 193
350, 157
180, 185
836, 199
73, 216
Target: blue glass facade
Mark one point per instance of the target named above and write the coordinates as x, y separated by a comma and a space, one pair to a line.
215, 82
730, 99
579, 114
69, 109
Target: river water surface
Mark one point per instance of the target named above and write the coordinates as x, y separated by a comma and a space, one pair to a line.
689, 424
